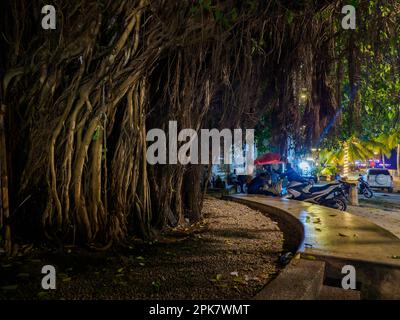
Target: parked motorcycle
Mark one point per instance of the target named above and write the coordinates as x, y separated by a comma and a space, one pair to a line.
364, 188
331, 195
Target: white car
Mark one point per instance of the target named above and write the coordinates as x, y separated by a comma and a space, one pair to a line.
380, 178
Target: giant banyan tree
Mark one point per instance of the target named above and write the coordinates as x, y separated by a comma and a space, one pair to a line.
78, 101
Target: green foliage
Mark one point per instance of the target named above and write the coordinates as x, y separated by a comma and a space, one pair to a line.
263, 136
329, 171
219, 183
378, 79
225, 19
360, 149
289, 17
96, 134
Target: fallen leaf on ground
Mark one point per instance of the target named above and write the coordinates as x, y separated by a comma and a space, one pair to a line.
23, 275
43, 295
35, 260
218, 277
237, 289
10, 287
248, 278
240, 280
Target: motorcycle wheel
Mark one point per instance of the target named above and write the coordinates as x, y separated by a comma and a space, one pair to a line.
368, 193
338, 203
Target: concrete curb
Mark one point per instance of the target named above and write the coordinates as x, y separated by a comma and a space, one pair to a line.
378, 278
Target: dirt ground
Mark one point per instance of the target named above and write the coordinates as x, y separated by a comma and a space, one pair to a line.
231, 254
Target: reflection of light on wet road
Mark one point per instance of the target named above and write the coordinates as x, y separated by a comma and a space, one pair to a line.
335, 233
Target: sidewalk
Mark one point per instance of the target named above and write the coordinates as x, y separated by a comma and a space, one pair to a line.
331, 232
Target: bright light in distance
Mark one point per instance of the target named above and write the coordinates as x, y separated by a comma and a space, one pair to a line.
304, 165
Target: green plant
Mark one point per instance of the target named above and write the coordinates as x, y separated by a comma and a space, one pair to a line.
219, 183
329, 171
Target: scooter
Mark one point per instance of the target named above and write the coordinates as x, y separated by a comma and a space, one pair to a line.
331, 195
364, 188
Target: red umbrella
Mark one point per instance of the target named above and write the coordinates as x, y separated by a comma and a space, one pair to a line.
269, 158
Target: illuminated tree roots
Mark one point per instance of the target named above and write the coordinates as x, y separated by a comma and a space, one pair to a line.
81, 98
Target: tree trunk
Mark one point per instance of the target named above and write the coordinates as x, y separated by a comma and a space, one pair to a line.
383, 160
4, 199
346, 160
398, 160
354, 81
193, 192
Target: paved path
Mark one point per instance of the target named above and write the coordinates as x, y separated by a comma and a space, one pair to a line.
391, 199
330, 232
382, 209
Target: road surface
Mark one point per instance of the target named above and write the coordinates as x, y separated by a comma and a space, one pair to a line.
383, 209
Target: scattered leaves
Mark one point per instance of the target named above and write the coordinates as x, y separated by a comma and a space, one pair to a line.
217, 278
317, 221
10, 287
23, 275
43, 295
156, 285
237, 289
240, 280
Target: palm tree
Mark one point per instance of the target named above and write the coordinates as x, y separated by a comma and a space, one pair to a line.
386, 143
351, 150
398, 160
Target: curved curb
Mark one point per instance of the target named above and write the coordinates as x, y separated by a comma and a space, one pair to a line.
369, 252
